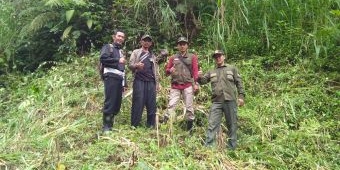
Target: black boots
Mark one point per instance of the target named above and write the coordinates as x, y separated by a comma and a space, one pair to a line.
190, 124
107, 122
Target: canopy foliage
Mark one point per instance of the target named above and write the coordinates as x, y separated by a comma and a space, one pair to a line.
39, 32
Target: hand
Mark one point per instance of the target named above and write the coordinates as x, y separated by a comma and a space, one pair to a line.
140, 66
158, 87
124, 89
200, 73
240, 102
122, 60
172, 69
196, 89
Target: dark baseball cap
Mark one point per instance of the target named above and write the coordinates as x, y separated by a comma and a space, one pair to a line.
217, 52
146, 36
182, 39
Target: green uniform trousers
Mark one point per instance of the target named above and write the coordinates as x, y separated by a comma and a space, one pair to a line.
229, 110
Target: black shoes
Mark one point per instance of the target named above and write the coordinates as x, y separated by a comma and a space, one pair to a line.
190, 124
107, 123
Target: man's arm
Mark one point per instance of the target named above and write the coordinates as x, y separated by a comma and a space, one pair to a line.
132, 61
107, 59
204, 79
239, 84
156, 72
195, 68
169, 65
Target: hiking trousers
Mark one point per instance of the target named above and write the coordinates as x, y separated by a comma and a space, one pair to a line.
229, 110
188, 97
113, 91
144, 94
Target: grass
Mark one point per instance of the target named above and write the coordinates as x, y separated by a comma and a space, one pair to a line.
53, 121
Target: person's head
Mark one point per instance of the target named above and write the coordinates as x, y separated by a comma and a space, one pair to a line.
146, 41
218, 55
118, 37
182, 44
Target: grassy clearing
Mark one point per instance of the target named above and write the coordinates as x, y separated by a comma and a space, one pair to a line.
53, 121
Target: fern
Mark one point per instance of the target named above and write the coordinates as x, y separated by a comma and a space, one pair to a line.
42, 20
66, 32
55, 3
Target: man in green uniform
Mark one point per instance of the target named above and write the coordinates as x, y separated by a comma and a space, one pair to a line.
227, 93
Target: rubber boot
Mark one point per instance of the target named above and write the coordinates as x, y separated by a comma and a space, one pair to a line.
107, 122
190, 124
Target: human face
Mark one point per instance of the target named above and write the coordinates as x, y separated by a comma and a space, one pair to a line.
119, 38
146, 43
182, 47
219, 59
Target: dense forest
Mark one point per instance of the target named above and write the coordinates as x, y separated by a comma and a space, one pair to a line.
287, 51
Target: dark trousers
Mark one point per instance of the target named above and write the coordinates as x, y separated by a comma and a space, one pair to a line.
113, 90
144, 94
229, 110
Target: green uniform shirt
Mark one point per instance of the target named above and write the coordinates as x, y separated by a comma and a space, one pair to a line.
226, 83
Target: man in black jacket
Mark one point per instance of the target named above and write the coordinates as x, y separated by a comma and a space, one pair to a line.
113, 62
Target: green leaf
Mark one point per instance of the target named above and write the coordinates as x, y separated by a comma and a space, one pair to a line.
69, 15
219, 3
335, 12
66, 32
54, 3
89, 23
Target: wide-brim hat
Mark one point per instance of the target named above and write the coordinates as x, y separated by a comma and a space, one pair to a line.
217, 52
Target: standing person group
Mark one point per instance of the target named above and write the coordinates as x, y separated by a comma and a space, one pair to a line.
226, 84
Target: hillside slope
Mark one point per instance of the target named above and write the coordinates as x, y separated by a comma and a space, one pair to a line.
53, 121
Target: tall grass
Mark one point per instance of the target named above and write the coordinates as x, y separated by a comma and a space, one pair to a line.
159, 13
54, 121
294, 29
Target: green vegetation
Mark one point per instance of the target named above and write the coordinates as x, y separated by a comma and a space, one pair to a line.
288, 53
53, 119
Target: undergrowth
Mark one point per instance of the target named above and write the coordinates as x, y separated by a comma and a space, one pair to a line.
52, 120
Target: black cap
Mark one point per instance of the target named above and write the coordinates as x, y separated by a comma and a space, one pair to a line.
146, 36
182, 39
217, 52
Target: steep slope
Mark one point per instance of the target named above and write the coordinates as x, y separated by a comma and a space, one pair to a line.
52, 120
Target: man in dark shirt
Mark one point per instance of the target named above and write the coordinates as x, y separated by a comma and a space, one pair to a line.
113, 61
143, 65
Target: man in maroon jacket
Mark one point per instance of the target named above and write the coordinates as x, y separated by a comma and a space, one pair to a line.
183, 69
